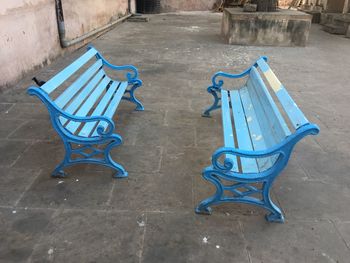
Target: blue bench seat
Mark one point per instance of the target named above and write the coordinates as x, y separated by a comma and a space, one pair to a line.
261, 125
82, 100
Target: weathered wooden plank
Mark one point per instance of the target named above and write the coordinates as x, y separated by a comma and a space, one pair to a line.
113, 105
80, 98
243, 137
227, 126
73, 89
88, 127
295, 115
58, 79
83, 111
256, 134
278, 126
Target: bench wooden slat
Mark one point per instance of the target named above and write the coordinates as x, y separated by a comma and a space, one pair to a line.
80, 98
295, 115
256, 135
227, 126
243, 137
58, 79
113, 105
88, 127
83, 111
73, 89
278, 126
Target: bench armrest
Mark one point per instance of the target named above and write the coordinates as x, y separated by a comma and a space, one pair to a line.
56, 113
131, 74
218, 83
283, 149
228, 164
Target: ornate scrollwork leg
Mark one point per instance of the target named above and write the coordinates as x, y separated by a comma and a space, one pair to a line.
204, 206
58, 172
121, 172
239, 192
276, 214
88, 153
136, 84
213, 91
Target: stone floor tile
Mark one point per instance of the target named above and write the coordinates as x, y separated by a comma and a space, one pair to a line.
84, 188
35, 130
13, 184
4, 107
9, 126
42, 155
189, 160
300, 241
20, 231
134, 159
312, 200
178, 237
344, 231
11, 151
26, 111
91, 236
153, 192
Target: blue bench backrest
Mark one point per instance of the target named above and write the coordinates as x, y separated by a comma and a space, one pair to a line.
272, 122
58, 79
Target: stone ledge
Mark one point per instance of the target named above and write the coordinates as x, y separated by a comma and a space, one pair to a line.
282, 28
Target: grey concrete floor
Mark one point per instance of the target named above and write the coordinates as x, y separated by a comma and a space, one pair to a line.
149, 217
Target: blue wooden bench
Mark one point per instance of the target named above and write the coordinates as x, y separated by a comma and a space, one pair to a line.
261, 126
82, 112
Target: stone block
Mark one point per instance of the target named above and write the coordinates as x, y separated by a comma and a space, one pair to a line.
250, 8
281, 28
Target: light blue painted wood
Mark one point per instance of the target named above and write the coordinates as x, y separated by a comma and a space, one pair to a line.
58, 79
243, 137
278, 125
267, 133
295, 115
80, 98
88, 127
229, 139
73, 89
256, 134
85, 108
112, 107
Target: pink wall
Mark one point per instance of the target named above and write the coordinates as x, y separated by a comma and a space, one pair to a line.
28, 30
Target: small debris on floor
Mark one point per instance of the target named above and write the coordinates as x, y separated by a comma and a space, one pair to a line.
14, 212
141, 224
60, 182
217, 246
205, 240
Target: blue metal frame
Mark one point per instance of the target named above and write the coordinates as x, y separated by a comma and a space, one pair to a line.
97, 148
217, 84
219, 171
132, 76
222, 171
